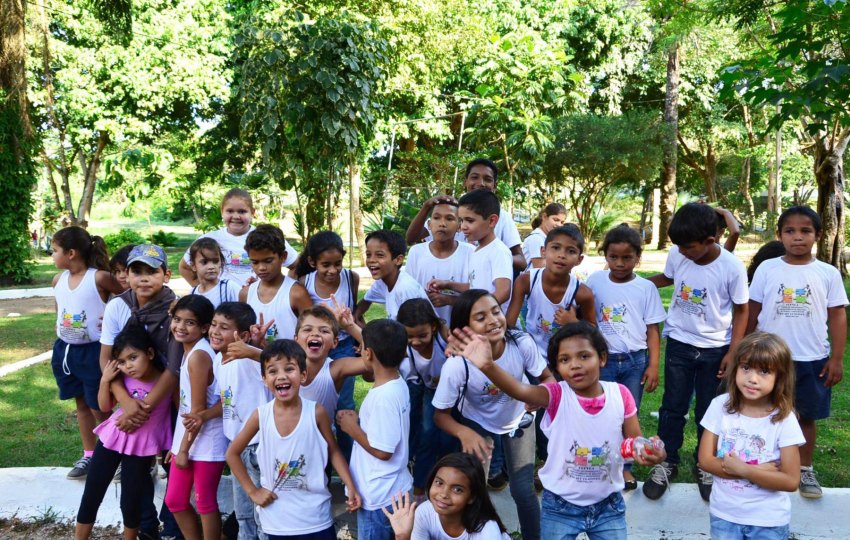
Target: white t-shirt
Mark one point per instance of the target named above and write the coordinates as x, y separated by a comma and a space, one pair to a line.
505, 230
425, 371
424, 266
489, 263
700, 312
483, 401
540, 318
624, 310
405, 288
533, 245
755, 440
237, 266
226, 290
794, 301
385, 417
242, 390
78, 311
427, 526
115, 317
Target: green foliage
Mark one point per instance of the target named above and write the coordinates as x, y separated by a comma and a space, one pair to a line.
123, 237
163, 239
116, 17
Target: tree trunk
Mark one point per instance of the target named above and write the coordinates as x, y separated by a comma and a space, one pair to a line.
13, 73
357, 215
668, 166
90, 171
510, 169
746, 169
829, 174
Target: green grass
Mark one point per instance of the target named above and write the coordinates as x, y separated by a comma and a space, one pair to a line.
26, 336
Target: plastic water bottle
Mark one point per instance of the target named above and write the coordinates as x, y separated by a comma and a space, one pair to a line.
634, 445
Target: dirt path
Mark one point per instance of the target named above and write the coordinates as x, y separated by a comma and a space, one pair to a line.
27, 306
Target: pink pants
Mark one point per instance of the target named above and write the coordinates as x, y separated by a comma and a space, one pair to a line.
204, 475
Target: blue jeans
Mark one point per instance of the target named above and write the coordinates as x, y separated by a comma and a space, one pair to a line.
345, 349
726, 530
626, 369
561, 519
687, 369
427, 441
243, 506
374, 525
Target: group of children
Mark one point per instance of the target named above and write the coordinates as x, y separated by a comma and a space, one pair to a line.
473, 371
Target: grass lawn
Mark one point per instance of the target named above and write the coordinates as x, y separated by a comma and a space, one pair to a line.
25, 336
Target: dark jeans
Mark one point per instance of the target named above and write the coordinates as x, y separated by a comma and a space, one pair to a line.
687, 370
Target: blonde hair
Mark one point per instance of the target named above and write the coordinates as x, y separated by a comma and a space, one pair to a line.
762, 350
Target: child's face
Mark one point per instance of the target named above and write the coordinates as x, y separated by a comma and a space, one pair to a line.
486, 319
622, 259
122, 276
223, 332
798, 235
236, 214
283, 378
444, 222
266, 263
755, 384
475, 226
207, 265
450, 492
379, 259
480, 176
328, 266
578, 364
697, 251
316, 337
552, 222
135, 362
420, 337
61, 258
185, 327
562, 254
145, 281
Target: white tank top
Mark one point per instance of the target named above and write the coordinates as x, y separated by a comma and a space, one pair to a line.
278, 309
210, 444
578, 467
540, 320
224, 291
78, 311
293, 467
322, 389
343, 294
425, 371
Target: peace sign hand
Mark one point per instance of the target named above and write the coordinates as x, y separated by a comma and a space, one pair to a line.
259, 332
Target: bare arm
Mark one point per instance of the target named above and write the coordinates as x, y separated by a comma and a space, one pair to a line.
416, 230
660, 281
732, 226
349, 422
470, 441
337, 459
104, 395
518, 259
653, 346
584, 300
187, 273
503, 290
299, 299
343, 368
107, 284
834, 369
739, 326
784, 476
520, 291
359, 311
753, 316
260, 496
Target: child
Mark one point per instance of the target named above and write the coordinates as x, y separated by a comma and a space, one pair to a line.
384, 257
586, 421
133, 355
118, 265
295, 445
81, 290
426, 354
277, 299
802, 299
206, 261
487, 412
443, 258
490, 264
237, 211
628, 310
750, 443
706, 320
242, 390
199, 444
552, 216
458, 505
380, 455
555, 297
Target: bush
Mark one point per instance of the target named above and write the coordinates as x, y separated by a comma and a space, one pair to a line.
164, 239
123, 237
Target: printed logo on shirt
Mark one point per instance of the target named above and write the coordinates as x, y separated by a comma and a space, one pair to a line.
613, 320
793, 302
73, 326
750, 448
492, 394
139, 393
290, 476
691, 300
588, 464
271, 333
546, 327
228, 411
471, 279
235, 258
182, 406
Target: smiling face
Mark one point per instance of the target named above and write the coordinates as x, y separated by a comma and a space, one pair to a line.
421, 338
266, 263
379, 259
480, 176
622, 259
755, 383
328, 266
283, 377
221, 332
134, 362
450, 492
798, 235
207, 265
122, 276
316, 337
185, 327
562, 254
444, 222
146, 282
486, 319
237, 213
578, 363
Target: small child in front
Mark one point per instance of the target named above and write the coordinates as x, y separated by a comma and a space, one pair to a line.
380, 455
295, 444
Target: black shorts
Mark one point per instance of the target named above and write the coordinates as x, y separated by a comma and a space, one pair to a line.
77, 371
812, 398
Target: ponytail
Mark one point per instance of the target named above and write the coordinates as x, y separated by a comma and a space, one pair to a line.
537, 221
98, 257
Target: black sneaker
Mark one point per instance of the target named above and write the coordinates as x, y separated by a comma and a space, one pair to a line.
80, 470
659, 480
498, 482
704, 482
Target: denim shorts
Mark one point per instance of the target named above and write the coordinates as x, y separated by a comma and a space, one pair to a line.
726, 530
561, 519
812, 399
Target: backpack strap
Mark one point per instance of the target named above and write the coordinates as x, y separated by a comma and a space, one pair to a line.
462, 396
534, 280
413, 364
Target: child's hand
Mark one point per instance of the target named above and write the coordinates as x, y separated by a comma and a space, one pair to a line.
771, 466
110, 371
833, 371
342, 313
236, 350
436, 285
475, 444
262, 496
650, 379
645, 458
438, 299
347, 420
733, 465
724, 363
135, 413
401, 520
353, 502
180, 460
259, 331
193, 422
565, 316
440, 199
473, 346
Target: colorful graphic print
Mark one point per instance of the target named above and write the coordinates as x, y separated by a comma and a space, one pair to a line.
289, 476
73, 326
588, 463
691, 300
229, 411
793, 302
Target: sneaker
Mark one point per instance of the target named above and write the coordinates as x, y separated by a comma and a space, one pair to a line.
498, 482
659, 480
116, 478
809, 486
704, 482
80, 470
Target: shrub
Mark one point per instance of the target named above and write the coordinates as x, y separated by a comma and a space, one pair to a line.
123, 237
164, 239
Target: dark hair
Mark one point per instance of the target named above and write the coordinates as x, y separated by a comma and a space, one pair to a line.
800, 210
238, 193
285, 348
462, 309
770, 250
481, 201
199, 305
417, 311
266, 237
392, 239
622, 234
551, 209
205, 244
319, 311
134, 335
240, 313
761, 350
693, 222
119, 258
568, 229
576, 329
319, 243
486, 162
388, 340
480, 509
91, 248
